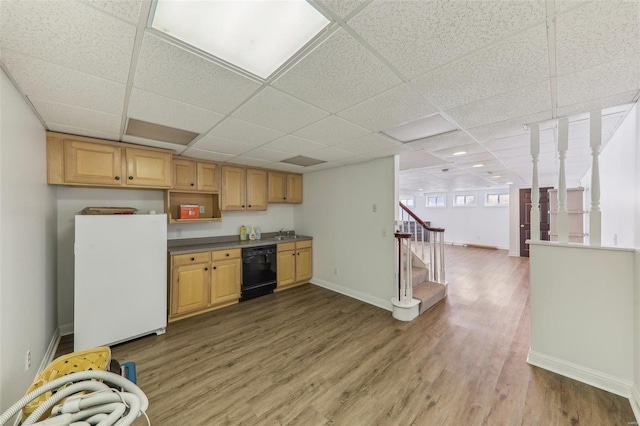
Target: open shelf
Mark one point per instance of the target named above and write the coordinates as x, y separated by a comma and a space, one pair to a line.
210, 202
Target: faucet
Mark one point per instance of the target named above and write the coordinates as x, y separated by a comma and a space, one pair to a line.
280, 232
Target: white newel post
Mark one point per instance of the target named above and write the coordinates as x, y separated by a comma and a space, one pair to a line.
563, 215
535, 190
595, 219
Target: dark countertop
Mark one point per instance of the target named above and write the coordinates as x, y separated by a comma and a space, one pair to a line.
193, 245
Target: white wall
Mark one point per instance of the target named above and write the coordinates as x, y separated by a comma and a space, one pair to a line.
582, 313
27, 246
636, 392
72, 200
347, 234
617, 164
487, 225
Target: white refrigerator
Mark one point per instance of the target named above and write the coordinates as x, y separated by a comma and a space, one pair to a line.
120, 278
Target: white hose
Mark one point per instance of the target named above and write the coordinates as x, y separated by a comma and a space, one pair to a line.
134, 397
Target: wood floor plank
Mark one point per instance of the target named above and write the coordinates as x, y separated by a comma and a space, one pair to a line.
309, 356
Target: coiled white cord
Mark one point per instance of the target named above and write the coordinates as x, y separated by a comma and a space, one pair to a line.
103, 407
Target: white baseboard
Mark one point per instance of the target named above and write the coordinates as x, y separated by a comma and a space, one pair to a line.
582, 374
634, 400
66, 329
51, 350
372, 300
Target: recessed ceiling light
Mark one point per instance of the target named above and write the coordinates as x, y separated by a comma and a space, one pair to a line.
257, 36
460, 153
420, 189
496, 176
422, 128
509, 183
478, 165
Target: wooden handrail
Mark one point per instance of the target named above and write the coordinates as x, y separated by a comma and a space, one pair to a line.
420, 221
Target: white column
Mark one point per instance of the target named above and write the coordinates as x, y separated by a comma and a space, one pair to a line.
563, 215
535, 190
595, 134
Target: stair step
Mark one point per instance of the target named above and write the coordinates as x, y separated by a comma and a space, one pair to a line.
429, 294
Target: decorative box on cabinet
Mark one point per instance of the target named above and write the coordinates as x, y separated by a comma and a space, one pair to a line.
575, 210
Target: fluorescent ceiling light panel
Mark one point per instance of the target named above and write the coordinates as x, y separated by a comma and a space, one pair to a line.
143, 129
303, 161
424, 127
255, 35
460, 153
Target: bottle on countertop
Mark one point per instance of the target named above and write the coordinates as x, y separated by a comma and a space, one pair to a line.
252, 233
243, 233
258, 233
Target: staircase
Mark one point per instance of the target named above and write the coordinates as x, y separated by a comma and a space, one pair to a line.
428, 285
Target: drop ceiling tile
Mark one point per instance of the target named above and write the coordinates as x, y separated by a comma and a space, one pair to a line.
355, 159
439, 142
388, 152
222, 146
52, 82
129, 10
337, 74
90, 133
470, 149
330, 153
602, 103
601, 81
417, 36
509, 127
398, 105
277, 110
245, 132
153, 108
70, 34
516, 62
68, 115
518, 152
207, 155
596, 33
267, 154
322, 166
367, 144
482, 157
504, 106
294, 145
251, 162
154, 143
343, 8
277, 165
171, 71
331, 130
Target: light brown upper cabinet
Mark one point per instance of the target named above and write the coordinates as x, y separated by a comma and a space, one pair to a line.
192, 175
78, 160
243, 189
285, 188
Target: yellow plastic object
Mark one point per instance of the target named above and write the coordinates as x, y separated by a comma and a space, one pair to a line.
90, 359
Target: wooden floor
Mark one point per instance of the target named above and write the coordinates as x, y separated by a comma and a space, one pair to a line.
309, 356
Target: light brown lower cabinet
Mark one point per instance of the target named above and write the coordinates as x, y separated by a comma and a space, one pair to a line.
201, 282
294, 264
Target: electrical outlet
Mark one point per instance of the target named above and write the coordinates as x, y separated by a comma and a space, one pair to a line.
201, 208
27, 360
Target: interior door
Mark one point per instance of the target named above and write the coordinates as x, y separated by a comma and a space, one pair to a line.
525, 217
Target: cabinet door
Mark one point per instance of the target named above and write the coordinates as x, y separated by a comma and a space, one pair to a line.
233, 188
294, 189
148, 168
190, 288
303, 264
277, 187
225, 281
92, 163
256, 189
286, 268
184, 174
208, 177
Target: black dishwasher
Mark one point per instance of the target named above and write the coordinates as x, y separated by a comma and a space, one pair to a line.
258, 271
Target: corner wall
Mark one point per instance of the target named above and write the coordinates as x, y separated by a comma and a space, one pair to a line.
28, 309
348, 236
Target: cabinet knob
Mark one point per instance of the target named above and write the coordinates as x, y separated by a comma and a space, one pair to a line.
130, 177
117, 177
193, 258
214, 267
293, 254
227, 254
249, 205
206, 269
193, 184
243, 206
284, 198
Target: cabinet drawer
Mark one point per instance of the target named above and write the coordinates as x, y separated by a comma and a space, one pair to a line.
286, 246
225, 254
303, 244
191, 258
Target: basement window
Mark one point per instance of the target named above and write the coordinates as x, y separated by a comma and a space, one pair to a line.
436, 201
468, 200
408, 202
497, 200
